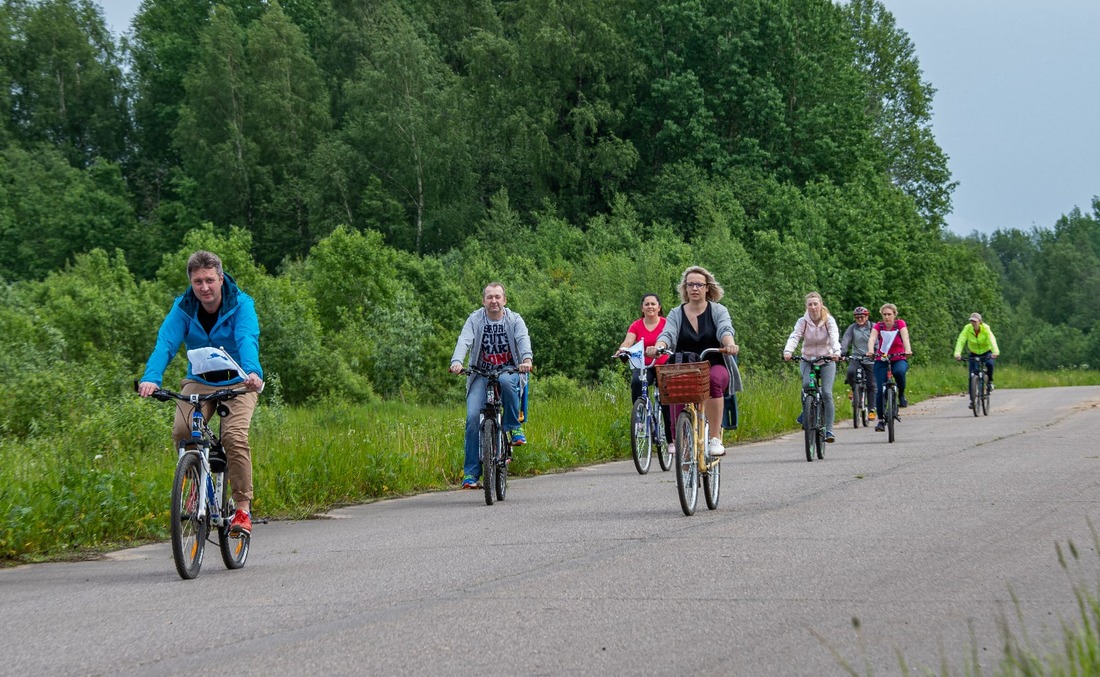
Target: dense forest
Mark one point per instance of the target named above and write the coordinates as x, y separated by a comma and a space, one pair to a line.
365, 166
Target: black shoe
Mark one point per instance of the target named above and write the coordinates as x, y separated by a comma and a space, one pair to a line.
880, 427
903, 403
969, 405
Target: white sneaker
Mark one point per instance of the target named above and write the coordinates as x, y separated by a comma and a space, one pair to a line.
716, 448
672, 450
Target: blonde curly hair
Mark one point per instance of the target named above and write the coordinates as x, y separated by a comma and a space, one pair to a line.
714, 290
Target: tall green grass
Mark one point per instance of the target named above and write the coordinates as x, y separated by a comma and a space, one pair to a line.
102, 479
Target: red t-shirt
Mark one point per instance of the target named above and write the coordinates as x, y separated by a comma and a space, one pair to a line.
648, 338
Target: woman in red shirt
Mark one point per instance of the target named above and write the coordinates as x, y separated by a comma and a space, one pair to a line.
646, 329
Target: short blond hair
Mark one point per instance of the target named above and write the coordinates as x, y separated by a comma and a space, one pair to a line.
714, 290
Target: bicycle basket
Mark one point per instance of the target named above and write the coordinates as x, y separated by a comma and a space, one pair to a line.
683, 383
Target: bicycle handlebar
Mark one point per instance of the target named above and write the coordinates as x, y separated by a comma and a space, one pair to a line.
815, 360
669, 351
489, 373
163, 394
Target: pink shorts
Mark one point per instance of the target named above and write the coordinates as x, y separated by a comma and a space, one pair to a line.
719, 381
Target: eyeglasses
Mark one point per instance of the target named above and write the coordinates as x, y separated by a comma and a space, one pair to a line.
696, 285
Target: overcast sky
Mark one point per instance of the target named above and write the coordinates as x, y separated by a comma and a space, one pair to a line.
1016, 109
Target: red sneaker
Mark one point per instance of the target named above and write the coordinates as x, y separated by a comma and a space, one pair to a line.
241, 524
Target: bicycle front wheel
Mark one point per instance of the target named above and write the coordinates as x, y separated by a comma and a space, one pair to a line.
687, 470
975, 393
489, 440
808, 426
664, 456
188, 527
985, 397
641, 441
234, 547
891, 407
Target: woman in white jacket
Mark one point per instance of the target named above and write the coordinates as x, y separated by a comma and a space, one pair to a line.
820, 338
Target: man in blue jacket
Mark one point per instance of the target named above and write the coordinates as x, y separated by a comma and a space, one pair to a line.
215, 313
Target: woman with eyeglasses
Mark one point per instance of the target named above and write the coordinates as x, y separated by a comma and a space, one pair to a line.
820, 337
700, 322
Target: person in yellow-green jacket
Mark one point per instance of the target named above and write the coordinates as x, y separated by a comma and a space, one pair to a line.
979, 340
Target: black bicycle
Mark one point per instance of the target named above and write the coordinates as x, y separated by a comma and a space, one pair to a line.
889, 397
980, 387
202, 498
862, 393
647, 422
494, 444
813, 410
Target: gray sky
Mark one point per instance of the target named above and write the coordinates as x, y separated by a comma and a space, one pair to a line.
1016, 109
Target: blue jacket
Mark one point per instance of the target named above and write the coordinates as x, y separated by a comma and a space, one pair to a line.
237, 330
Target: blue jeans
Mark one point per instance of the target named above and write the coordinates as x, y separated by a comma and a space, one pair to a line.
900, 367
828, 375
475, 400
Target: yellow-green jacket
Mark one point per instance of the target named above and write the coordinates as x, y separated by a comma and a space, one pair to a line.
984, 342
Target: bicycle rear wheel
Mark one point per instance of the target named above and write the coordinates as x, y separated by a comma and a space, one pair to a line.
712, 481
857, 404
891, 412
975, 393
819, 427
808, 425
641, 441
188, 528
489, 440
501, 465
234, 547
687, 471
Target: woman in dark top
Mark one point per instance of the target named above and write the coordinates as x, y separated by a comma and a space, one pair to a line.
700, 322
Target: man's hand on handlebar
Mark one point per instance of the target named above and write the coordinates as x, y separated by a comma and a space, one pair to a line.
146, 388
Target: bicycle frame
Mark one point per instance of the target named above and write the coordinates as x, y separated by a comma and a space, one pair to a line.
812, 390
495, 459
214, 483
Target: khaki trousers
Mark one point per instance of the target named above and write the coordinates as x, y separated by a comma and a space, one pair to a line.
234, 433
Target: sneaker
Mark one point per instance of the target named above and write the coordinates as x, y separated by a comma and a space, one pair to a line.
849, 394
716, 448
990, 386
799, 419
829, 436
672, 450
518, 437
903, 403
880, 427
241, 523
970, 405
469, 482
871, 415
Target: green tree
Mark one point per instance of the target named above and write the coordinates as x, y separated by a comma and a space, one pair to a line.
64, 80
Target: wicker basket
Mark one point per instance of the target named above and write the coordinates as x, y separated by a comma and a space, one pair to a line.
683, 383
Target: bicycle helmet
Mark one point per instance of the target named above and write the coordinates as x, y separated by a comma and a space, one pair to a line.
860, 310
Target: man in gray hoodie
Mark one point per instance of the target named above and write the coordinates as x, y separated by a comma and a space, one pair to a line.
856, 337
493, 337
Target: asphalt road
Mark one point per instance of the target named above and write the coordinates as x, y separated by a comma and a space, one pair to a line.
598, 571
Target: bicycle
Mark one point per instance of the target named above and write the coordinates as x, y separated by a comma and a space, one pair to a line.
979, 385
689, 384
494, 445
647, 421
862, 402
889, 396
201, 496
813, 410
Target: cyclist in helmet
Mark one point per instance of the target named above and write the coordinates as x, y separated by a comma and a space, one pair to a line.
855, 341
